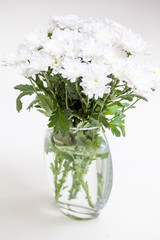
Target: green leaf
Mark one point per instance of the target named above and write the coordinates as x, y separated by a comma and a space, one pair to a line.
115, 131
138, 96
46, 104
60, 140
122, 127
47, 90
31, 105
67, 113
71, 88
99, 101
125, 104
117, 124
19, 102
81, 138
40, 84
53, 168
128, 97
50, 78
118, 119
104, 121
115, 109
24, 88
77, 116
48, 146
59, 122
94, 116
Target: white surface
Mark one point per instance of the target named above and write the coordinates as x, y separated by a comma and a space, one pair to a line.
27, 211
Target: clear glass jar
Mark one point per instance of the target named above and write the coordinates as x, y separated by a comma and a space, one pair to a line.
80, 171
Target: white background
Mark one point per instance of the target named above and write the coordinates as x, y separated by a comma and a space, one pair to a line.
27, 210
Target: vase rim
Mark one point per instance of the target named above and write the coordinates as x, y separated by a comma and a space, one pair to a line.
81, 129
89, 128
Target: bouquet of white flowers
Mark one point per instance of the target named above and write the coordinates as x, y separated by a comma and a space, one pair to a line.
83, 73
82, 70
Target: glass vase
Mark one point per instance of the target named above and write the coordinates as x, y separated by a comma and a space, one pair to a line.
80, 171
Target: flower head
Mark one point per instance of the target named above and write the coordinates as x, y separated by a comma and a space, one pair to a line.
95, 80
72, 69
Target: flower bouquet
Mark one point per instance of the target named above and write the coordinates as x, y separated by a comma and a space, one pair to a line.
84, 74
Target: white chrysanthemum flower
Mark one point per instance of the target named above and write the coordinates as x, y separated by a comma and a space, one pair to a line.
49, 26
133, 43
63, 43
56, 65
94, 81
67, 35
37, 63
118, 69
153, 69
128, 40
36, 39
72, 69
91, 25
117, 27
16, 55
91, 49
140, 76
54, 47
155, 72
113, 54
69, 21
59, 34
72, 49
106, 35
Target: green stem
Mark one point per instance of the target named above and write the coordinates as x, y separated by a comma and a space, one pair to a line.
62, 181
126, 108
100, 185
50, 85
95, 105
31, 80
85, 187
87, 103
122, 85
74, 189
82, 100
132, 105
107, 96
56, 180
66, 97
